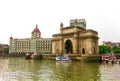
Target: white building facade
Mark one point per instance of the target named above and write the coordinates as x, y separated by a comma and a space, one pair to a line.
33, 44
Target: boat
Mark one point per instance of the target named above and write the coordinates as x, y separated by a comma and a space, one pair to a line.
36, 56
33, 56
28, 56
110, 58
63, 58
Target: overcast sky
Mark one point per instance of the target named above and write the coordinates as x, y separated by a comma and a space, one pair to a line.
19, 17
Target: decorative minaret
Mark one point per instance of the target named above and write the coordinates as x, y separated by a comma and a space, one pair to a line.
75, 23
10, 44
61, 27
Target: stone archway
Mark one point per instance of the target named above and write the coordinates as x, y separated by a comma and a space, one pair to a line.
68, 46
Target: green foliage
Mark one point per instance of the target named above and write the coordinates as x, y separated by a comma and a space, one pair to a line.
116, 49
107, 49
104, 49
91, 59
6, 50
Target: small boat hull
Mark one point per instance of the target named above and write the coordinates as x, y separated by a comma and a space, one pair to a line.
28, 56
36, 56
63, 58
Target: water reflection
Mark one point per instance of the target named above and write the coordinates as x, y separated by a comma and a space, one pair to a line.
19, 69
77, 71
110, 72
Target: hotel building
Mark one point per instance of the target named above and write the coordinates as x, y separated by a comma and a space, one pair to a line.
30, 45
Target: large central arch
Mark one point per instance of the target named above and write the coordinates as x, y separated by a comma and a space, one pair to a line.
68, 46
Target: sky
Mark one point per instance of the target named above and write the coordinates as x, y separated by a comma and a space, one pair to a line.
18, 18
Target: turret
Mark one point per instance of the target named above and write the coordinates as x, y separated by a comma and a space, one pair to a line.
61, 27
75, 23
10, 44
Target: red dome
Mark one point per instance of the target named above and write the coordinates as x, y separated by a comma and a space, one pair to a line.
36, 29
11, 37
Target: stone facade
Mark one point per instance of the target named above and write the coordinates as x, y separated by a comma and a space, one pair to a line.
33, 44
75, 39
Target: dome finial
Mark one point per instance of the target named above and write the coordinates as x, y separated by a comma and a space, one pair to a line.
36, 25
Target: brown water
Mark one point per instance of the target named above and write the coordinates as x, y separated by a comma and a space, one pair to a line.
19, 69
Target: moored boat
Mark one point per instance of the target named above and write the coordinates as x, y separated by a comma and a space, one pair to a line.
36, 56
110, 58
63, 58
28, 56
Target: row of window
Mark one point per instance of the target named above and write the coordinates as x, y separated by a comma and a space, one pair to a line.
28, 42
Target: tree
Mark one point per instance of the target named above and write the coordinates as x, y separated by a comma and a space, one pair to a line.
104, 49
6, 50
116, 49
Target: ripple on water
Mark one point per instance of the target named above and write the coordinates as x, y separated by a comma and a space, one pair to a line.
19, 69
110, 72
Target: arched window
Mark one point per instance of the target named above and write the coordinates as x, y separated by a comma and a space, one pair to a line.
83, 51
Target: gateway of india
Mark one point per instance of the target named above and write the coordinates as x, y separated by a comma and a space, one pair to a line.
73, 39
